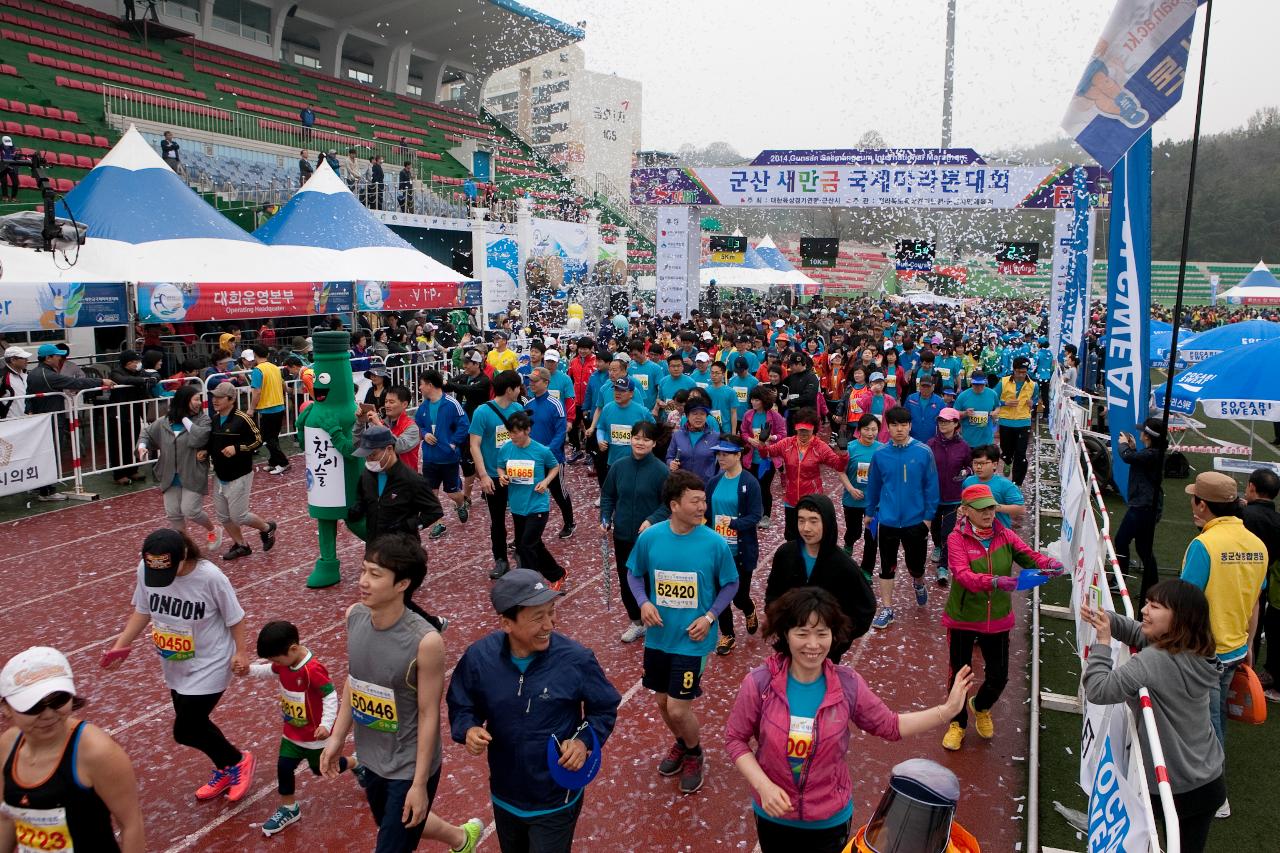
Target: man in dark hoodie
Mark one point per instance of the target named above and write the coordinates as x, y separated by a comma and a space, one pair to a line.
816, 559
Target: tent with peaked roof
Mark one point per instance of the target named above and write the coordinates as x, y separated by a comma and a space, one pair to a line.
145, 225
391, 274
1259, 287
769, 253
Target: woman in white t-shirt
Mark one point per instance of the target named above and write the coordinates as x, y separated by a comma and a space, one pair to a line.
197, 628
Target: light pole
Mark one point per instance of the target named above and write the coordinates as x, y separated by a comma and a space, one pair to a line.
948, 74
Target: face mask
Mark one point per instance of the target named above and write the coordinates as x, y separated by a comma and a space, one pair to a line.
373, 465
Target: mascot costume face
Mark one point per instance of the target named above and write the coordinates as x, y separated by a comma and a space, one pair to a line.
332, 471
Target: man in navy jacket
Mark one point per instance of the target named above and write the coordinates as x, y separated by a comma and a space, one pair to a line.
550, 423
514, 690
443, 424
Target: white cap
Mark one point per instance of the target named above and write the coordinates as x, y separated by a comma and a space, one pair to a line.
248, 355
16, 352
8, 140
707, 336
702, 356
551, 355
32, 675
779, 324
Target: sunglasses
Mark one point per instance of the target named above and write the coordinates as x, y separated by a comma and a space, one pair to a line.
55, 701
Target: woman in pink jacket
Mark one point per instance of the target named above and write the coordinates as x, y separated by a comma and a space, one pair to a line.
800, 709
760, 425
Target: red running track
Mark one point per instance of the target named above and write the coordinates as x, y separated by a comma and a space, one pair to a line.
71, 574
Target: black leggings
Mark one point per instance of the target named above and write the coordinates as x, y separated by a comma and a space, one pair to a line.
621, 553
1013, 446
192, 727
529, 545
497, 503
852, 529
778, 838
766, 494
1139, 528
995, 666
286, 765
741, 598
561, 497
1195, 813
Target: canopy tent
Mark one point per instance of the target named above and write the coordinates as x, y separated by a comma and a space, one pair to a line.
768, 252
1259, 287
48, 291
756, 272
1228, 337
1240, 383
327, 219
145, 225
18, 264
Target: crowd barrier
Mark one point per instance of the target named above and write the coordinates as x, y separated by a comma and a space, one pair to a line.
93, 435
1112, 768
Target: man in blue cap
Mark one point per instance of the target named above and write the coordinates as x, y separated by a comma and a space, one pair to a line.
613, 430
47, 378
1043, 371
513, 687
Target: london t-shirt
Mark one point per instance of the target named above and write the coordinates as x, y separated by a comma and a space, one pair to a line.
191, 623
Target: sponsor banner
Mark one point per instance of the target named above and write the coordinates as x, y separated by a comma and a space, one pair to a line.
562, 244
1128, 379
502, 272
869, 157
971, 186
1061, 260
51, 306
418, 220
676, 287
405, 296
1242, 466
169, 302
1136, 75
1117, 815
27, 458
1253, 410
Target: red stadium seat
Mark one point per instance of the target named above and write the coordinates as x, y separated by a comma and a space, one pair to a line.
67, 136
71, 116
12, 127
4, 105
64, 185
17, 107
50, 133
101, 142
26, 182
84, 139
83, 162
53, 113
31, 130
35, 110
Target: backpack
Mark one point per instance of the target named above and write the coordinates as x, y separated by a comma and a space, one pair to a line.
1176, 466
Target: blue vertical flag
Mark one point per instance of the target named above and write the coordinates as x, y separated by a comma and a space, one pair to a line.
1075, 308
1135, 76
1128, 382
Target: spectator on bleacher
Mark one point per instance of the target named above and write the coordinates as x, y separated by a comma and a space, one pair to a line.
305, 169
307, 116
8, 171
470, 191
170, 151
351, 173
406, 189
376, 179
332, 159
130, 11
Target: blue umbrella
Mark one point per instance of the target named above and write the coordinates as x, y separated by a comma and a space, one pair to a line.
1229, 337
1241, 383
1159, 349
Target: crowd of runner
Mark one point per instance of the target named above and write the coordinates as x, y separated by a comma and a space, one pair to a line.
694, 430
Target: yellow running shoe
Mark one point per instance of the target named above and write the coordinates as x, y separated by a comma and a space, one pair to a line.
982, 721
954, 737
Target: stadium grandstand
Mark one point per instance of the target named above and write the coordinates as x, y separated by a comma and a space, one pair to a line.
231, 79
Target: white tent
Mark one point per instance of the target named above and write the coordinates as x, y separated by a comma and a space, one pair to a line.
1259, 287
18, 264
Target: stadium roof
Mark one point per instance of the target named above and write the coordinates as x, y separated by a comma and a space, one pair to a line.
476, 36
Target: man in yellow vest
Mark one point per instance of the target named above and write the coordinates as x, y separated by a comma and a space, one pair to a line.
1229, 563
1017, 394
267, 403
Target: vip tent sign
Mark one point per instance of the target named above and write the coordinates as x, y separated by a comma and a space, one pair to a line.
170, 302
404, 295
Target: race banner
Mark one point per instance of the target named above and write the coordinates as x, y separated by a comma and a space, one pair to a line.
170, 302
1117, 818
969, 186
563, 247
405, 296
27, 457
502, 272
677, 261
1135, 76
1128, 381
1061, 273
54, 306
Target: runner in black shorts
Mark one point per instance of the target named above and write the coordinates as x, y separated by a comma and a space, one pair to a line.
678, 676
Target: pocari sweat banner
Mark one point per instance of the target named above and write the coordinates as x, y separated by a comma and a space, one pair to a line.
1136, 74
1128, 383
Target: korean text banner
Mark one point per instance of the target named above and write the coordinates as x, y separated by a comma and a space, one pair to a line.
27, 457
1135, 76
675, 277
404, 295
49, 306
1128, 380
169, 302
981, 186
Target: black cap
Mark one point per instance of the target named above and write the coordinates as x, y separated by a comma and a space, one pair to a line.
1021, 361
374, 438
162, 554
521, 588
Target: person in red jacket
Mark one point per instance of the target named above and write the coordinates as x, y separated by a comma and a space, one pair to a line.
580, 368
802, 456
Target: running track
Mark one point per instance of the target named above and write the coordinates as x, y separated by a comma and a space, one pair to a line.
71, 574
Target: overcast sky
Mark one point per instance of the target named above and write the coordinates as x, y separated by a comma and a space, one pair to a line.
819, 74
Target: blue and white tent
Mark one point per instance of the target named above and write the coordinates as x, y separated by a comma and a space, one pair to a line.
324, 216
1259, 287
145, 225
767, 251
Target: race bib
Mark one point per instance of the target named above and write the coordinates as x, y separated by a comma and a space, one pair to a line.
173, 642
723, 528
677, 590
944, 372
40, 830
373, 706
500, 436
520, 471
715, 413
799, 744
979, 419
641, 379
293, 707
619, 434
864, 470
702, 384
891, 380
741, 392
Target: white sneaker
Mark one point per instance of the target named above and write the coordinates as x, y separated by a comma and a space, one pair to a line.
1224, 810
634, 632
213, 539
765, 521
279, 469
